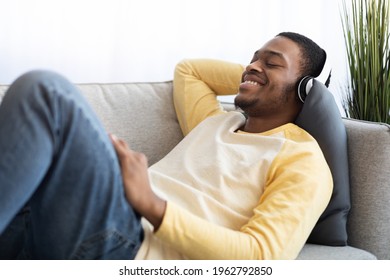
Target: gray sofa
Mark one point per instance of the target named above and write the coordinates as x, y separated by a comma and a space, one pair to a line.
143, 114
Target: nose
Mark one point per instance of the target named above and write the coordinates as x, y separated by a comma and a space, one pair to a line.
255, 66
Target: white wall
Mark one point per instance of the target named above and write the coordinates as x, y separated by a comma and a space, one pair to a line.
142, 40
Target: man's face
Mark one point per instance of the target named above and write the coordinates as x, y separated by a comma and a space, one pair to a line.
269, 81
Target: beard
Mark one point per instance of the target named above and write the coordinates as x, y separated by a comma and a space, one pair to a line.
252, 105
243, 105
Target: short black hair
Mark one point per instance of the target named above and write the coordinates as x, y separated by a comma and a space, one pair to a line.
313, 56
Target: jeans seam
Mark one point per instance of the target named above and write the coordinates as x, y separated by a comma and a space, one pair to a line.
86, 245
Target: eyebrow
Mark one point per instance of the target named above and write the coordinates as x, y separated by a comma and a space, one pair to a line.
271, 53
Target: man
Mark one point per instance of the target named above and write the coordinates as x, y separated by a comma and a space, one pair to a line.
245, 187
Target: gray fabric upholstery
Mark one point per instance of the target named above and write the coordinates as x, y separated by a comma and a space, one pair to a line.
137, 112
321, 117
320, 252
369, 159
2, 91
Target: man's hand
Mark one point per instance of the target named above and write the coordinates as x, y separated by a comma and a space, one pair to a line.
139, 194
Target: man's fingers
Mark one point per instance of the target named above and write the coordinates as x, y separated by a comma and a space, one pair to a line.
120, 146
125, 153
118, 143
113, 137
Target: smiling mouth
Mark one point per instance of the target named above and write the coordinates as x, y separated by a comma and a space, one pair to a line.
251, 83
252, 79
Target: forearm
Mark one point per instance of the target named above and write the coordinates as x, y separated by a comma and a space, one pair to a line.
199, 239
154, 211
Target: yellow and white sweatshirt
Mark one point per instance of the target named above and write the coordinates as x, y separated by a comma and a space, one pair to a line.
231, 194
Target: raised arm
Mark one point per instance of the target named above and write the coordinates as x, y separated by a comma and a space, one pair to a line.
196, 84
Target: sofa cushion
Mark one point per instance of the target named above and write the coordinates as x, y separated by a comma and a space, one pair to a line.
140, 113
320, 252
321, 117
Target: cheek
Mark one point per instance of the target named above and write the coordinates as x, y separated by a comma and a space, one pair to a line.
291, 90
280, 94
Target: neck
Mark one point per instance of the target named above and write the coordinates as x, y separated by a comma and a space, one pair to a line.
257, 125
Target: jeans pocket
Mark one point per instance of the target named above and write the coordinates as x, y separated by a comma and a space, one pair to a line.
108, 245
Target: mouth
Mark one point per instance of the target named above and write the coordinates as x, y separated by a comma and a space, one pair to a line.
253, 79
250, 82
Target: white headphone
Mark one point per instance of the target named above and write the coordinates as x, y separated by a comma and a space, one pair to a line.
306, 82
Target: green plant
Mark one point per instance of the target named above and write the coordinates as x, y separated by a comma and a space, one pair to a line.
366, 33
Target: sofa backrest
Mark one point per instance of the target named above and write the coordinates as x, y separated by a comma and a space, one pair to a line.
140, 113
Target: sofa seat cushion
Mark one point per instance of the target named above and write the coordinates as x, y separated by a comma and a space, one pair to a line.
321, 252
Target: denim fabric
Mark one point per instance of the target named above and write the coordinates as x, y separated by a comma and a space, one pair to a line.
61, 193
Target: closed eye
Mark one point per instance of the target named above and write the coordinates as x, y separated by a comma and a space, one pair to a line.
272, 65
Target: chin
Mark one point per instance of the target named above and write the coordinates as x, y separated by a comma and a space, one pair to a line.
244, 103
237, 102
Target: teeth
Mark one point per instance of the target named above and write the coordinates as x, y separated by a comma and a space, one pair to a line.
252, 83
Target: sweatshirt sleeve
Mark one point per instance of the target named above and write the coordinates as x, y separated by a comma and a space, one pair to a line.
297, 192
196, 84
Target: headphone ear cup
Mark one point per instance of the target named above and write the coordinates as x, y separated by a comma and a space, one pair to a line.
304, 87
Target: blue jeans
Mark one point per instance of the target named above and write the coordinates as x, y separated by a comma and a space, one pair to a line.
61, 192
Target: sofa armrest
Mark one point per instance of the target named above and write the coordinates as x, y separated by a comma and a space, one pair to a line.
369, 162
